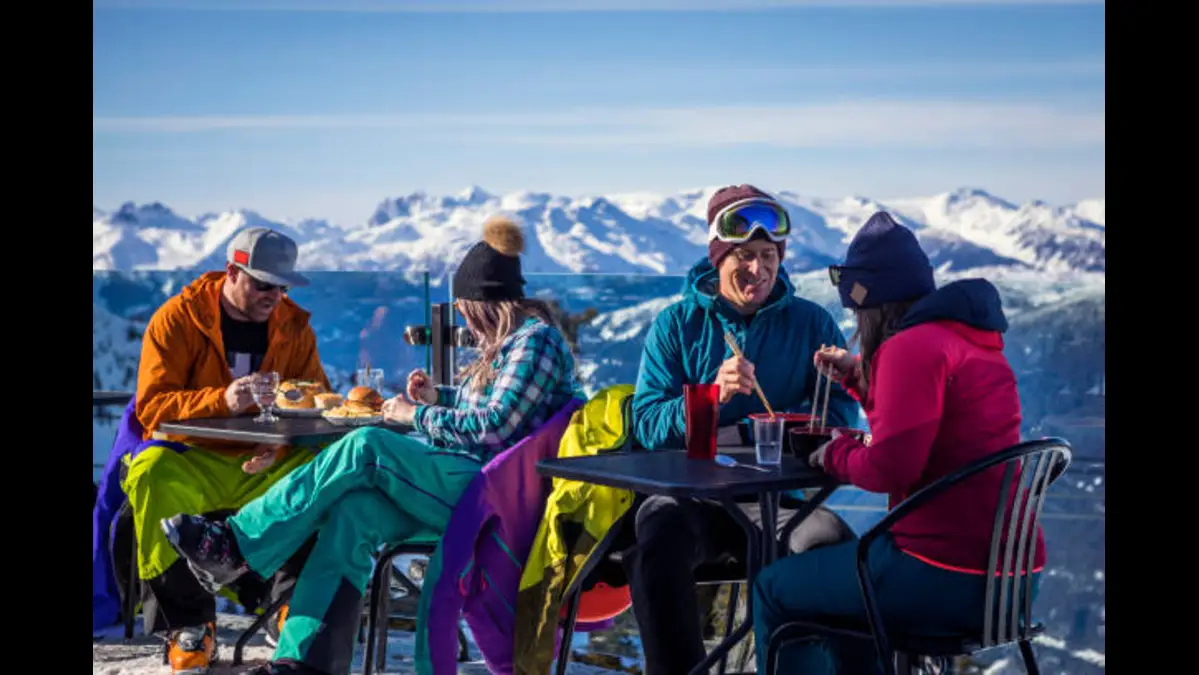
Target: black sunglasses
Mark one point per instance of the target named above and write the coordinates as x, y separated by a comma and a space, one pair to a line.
264, 287
834, 272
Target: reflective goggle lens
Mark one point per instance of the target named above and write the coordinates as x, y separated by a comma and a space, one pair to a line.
739, 223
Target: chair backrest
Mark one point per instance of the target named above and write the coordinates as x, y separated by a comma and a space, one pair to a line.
513, 487
486, 541
109, 497
1028, 470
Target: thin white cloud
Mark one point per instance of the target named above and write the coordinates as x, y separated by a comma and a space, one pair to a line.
974, 69
546, 5
856, 124
840, 73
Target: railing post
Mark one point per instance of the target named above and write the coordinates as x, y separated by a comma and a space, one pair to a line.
441, 344
442, 338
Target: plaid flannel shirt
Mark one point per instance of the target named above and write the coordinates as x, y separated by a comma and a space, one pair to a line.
535, 377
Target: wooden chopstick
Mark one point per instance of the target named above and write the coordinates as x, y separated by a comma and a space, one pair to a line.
815, 399
828, 382
728, 337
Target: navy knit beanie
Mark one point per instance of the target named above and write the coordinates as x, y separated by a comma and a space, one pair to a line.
884, 263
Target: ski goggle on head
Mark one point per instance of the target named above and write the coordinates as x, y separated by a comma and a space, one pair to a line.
737, 221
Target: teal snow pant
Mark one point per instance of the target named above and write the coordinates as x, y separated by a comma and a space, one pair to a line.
822, 585
371, 488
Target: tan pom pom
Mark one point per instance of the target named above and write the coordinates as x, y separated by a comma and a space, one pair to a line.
504, 235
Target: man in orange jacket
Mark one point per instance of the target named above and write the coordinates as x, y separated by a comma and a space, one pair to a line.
200, 353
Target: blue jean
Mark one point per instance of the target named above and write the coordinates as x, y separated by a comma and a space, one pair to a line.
822, 585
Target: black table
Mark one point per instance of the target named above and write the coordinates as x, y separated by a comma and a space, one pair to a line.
293, 431
671, 473
100, 398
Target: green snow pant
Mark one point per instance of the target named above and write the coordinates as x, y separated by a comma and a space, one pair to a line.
371, 488
161, 482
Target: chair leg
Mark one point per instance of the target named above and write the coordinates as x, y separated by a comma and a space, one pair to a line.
734, 589
129, 613
1030, 659
384, 616
378, 619
463, 649
372, 619
269, 613
568, 629
132, 590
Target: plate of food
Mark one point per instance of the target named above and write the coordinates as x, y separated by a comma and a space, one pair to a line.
362, 406
304, 398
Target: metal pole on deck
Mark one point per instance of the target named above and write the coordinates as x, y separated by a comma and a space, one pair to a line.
441, 344
428, 306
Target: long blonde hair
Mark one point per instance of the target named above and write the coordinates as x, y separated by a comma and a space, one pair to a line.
492, 322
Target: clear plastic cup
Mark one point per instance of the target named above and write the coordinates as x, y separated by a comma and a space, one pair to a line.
768, 440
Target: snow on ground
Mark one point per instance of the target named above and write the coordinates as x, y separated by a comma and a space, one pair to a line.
142, 655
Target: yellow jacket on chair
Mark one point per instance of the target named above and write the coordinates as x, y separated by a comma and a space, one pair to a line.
603, 424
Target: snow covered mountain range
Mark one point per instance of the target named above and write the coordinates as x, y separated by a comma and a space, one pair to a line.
636, 233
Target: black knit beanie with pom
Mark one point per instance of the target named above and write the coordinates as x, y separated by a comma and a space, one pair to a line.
491, 268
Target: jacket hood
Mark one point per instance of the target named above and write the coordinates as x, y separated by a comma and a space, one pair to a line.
971, 302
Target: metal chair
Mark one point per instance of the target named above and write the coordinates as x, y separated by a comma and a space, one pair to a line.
716, 574
132, 588
377, 612
1035, 465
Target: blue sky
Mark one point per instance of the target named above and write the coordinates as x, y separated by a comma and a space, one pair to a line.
322, 108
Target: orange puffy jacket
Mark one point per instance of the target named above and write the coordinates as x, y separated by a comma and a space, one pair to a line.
183, 373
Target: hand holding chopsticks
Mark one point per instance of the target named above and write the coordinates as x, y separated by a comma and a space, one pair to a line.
728, 337
830, 362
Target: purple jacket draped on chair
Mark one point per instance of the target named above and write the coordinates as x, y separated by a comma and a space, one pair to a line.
106, 597
478, 566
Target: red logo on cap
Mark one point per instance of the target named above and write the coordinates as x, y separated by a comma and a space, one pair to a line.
241, 257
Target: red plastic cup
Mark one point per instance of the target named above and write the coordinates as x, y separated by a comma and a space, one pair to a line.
700, 411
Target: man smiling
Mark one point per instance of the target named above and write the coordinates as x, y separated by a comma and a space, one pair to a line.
740, 288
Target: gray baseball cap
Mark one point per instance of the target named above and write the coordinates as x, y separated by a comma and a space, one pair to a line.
267, 255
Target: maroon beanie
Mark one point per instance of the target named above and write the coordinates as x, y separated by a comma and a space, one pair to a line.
718, 249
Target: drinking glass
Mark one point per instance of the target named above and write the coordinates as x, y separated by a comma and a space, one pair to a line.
264, 387
768, 439
372, 378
